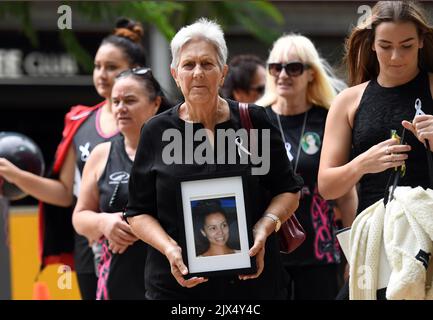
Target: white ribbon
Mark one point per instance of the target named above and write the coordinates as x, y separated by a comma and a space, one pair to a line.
288, 148
238, 142
418, 106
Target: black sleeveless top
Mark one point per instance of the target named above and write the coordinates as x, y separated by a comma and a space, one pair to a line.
85, 139
113, 183
125, 271
380, 110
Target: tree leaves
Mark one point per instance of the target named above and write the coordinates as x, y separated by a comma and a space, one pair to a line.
166, 16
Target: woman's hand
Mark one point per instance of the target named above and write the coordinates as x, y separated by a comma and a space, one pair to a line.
117, 248
382, 156
422, 128
260, 233
118, 232
8, 170
179, 269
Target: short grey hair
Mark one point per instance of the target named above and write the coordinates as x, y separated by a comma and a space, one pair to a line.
201, 29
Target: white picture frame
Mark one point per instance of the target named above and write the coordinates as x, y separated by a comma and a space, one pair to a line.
228, 193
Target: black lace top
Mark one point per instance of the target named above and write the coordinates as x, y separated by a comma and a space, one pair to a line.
380, 110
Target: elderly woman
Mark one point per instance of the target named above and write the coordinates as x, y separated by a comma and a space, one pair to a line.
199, 66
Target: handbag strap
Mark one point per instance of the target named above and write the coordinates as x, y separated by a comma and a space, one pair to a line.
247, 124
244, 113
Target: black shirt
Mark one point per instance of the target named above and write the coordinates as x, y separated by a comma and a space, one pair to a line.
125, 272
314, 213
380, 110
152, 191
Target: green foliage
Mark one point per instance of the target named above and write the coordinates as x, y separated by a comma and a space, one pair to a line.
148, 12
20, 10
166, 16
250, 15
71, 44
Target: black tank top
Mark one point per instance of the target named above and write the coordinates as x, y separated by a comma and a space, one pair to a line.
85, 140
124, 272
380, 110
113, 183
314, 213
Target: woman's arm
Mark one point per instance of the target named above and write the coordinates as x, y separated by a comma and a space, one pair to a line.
282, 206
347, 206
336, 174
148, 229
56, 192
87, 219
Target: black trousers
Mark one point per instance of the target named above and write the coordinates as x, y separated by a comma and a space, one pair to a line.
87, 283
312, 282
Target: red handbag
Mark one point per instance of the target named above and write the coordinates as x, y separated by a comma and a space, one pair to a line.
291, 234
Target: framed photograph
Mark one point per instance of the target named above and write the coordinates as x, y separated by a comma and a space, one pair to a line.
216, 225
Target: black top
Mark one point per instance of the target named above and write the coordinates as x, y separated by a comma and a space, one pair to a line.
126, 270
85, 139
315, 214
152, 191
113, 183
380, 110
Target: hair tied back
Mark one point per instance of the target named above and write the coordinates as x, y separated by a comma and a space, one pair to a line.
129, 29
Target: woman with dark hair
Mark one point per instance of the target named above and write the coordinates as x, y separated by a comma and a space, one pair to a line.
245, 81
136, 97
390, 60
214, 227
85, 127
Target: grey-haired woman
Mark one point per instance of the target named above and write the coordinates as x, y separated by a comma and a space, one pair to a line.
199, 67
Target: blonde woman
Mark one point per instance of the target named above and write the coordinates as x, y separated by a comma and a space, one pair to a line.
299, 89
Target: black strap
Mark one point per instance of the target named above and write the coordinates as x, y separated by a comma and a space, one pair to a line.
394, 177
247, 124
430, 163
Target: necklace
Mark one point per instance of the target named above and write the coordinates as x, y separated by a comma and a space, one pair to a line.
300, 137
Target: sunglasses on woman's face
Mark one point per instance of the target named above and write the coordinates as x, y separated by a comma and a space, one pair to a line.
293, 69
